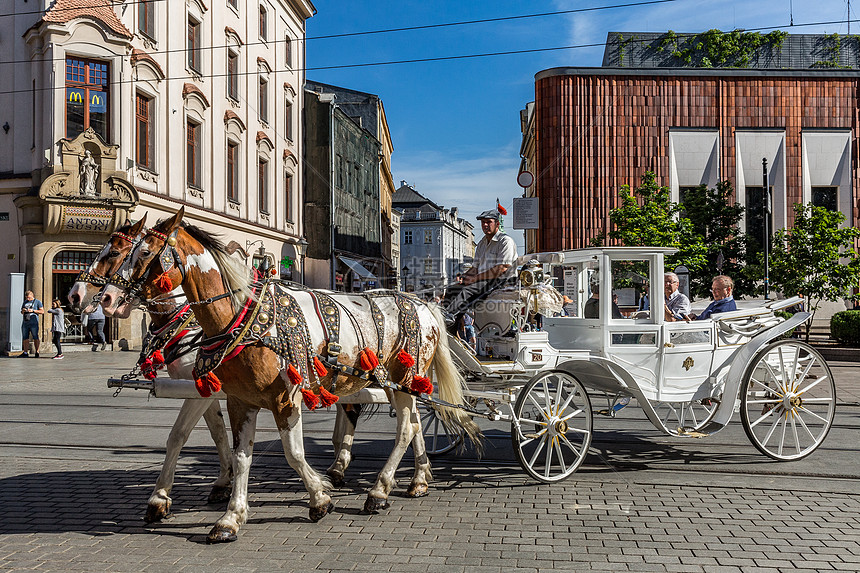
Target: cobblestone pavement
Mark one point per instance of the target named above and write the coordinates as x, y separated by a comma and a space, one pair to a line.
73, 503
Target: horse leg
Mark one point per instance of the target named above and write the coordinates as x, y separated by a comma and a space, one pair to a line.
342, 439
159, 502
289, 424
215, 421
243, 421
422, 476
404, 405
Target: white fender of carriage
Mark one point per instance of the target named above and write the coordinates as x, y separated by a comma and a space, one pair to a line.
604, 375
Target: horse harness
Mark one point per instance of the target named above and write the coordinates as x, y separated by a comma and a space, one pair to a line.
278, 323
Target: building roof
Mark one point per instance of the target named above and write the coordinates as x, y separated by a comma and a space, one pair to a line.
362, 107
406, 195
746, 50
67, 10
699, 72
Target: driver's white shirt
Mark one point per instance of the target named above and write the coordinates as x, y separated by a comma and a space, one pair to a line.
500, 249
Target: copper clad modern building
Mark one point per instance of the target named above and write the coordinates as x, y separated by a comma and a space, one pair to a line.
592, 130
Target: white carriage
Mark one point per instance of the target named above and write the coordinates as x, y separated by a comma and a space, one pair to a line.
689, 378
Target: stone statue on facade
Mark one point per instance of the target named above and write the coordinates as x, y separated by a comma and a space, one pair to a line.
89, 175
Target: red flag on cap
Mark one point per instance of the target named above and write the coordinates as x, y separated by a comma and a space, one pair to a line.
499, 207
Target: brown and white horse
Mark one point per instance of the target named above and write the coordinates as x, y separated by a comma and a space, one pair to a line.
217, 288
83, 296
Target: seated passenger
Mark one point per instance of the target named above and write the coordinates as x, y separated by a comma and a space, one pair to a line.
677, 305
721, 287
592, 305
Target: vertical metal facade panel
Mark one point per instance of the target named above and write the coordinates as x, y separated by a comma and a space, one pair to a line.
597, 132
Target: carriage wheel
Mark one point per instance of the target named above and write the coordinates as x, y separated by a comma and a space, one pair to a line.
555, 426
683, 417
788, 400
439, 436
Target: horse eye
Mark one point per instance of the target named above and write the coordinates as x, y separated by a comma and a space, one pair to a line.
113, 254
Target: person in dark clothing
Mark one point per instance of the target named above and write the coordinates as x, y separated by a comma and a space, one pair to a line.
721, 287
592, 305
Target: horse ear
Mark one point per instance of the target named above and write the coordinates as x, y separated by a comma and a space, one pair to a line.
169, 225
137, 227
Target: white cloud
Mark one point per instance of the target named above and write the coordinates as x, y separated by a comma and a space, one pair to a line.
471, 183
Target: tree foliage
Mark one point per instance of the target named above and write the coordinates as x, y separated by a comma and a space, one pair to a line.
815, 258
716, 222
647, 217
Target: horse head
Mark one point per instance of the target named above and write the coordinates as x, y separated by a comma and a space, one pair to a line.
145, 273
83, 293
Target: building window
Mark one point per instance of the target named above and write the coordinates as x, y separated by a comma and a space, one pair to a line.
428, 236
146, 18
263, 103
233, 75
143, 131
428, 266
407, 237
233, 171
288, 197
194, 41
193, 154
288, 51
826, 196
288, 119
263, 185
264, 24
86, 97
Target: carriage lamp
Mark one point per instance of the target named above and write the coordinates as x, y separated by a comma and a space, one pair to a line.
531, 274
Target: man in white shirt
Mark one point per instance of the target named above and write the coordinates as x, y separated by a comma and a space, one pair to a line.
677, 303
494, 267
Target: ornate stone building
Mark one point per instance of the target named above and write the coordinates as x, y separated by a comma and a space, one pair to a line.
113, 110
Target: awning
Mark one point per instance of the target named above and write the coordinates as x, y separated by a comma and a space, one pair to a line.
358, 269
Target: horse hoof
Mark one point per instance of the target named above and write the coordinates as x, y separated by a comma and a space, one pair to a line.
336, 479
317, 513
156, 512
418, 490
375, 504
219, 493
221, 534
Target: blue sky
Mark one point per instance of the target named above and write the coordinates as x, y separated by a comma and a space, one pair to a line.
455, 124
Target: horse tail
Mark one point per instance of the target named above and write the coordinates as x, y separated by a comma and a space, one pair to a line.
449, 383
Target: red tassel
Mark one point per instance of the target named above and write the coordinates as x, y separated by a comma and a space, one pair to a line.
207, 384
294, 375
201, 388
367, 360
164, 283
322, 371
422, 384
157, 358
327, 398
310, 399
147, 369
405, 359
214, 382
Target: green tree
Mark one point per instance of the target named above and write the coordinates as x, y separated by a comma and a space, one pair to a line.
815, 258
647, 217
715, 220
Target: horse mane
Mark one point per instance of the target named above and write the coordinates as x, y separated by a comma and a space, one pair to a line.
236, 276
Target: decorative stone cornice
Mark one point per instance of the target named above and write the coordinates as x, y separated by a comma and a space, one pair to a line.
189, 89
231, 32
231, 115
138, 56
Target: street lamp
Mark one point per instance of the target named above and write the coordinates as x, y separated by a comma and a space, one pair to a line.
301, 248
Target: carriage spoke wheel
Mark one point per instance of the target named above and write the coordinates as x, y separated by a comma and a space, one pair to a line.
683, 417
439, 437
553, 413
788, 400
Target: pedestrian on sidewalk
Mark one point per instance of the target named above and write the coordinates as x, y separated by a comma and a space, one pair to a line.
96, 326
31, 309
58, 327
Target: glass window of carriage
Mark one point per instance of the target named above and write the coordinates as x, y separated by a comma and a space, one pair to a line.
631, 289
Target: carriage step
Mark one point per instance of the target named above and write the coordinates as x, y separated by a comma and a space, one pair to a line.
617, 407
